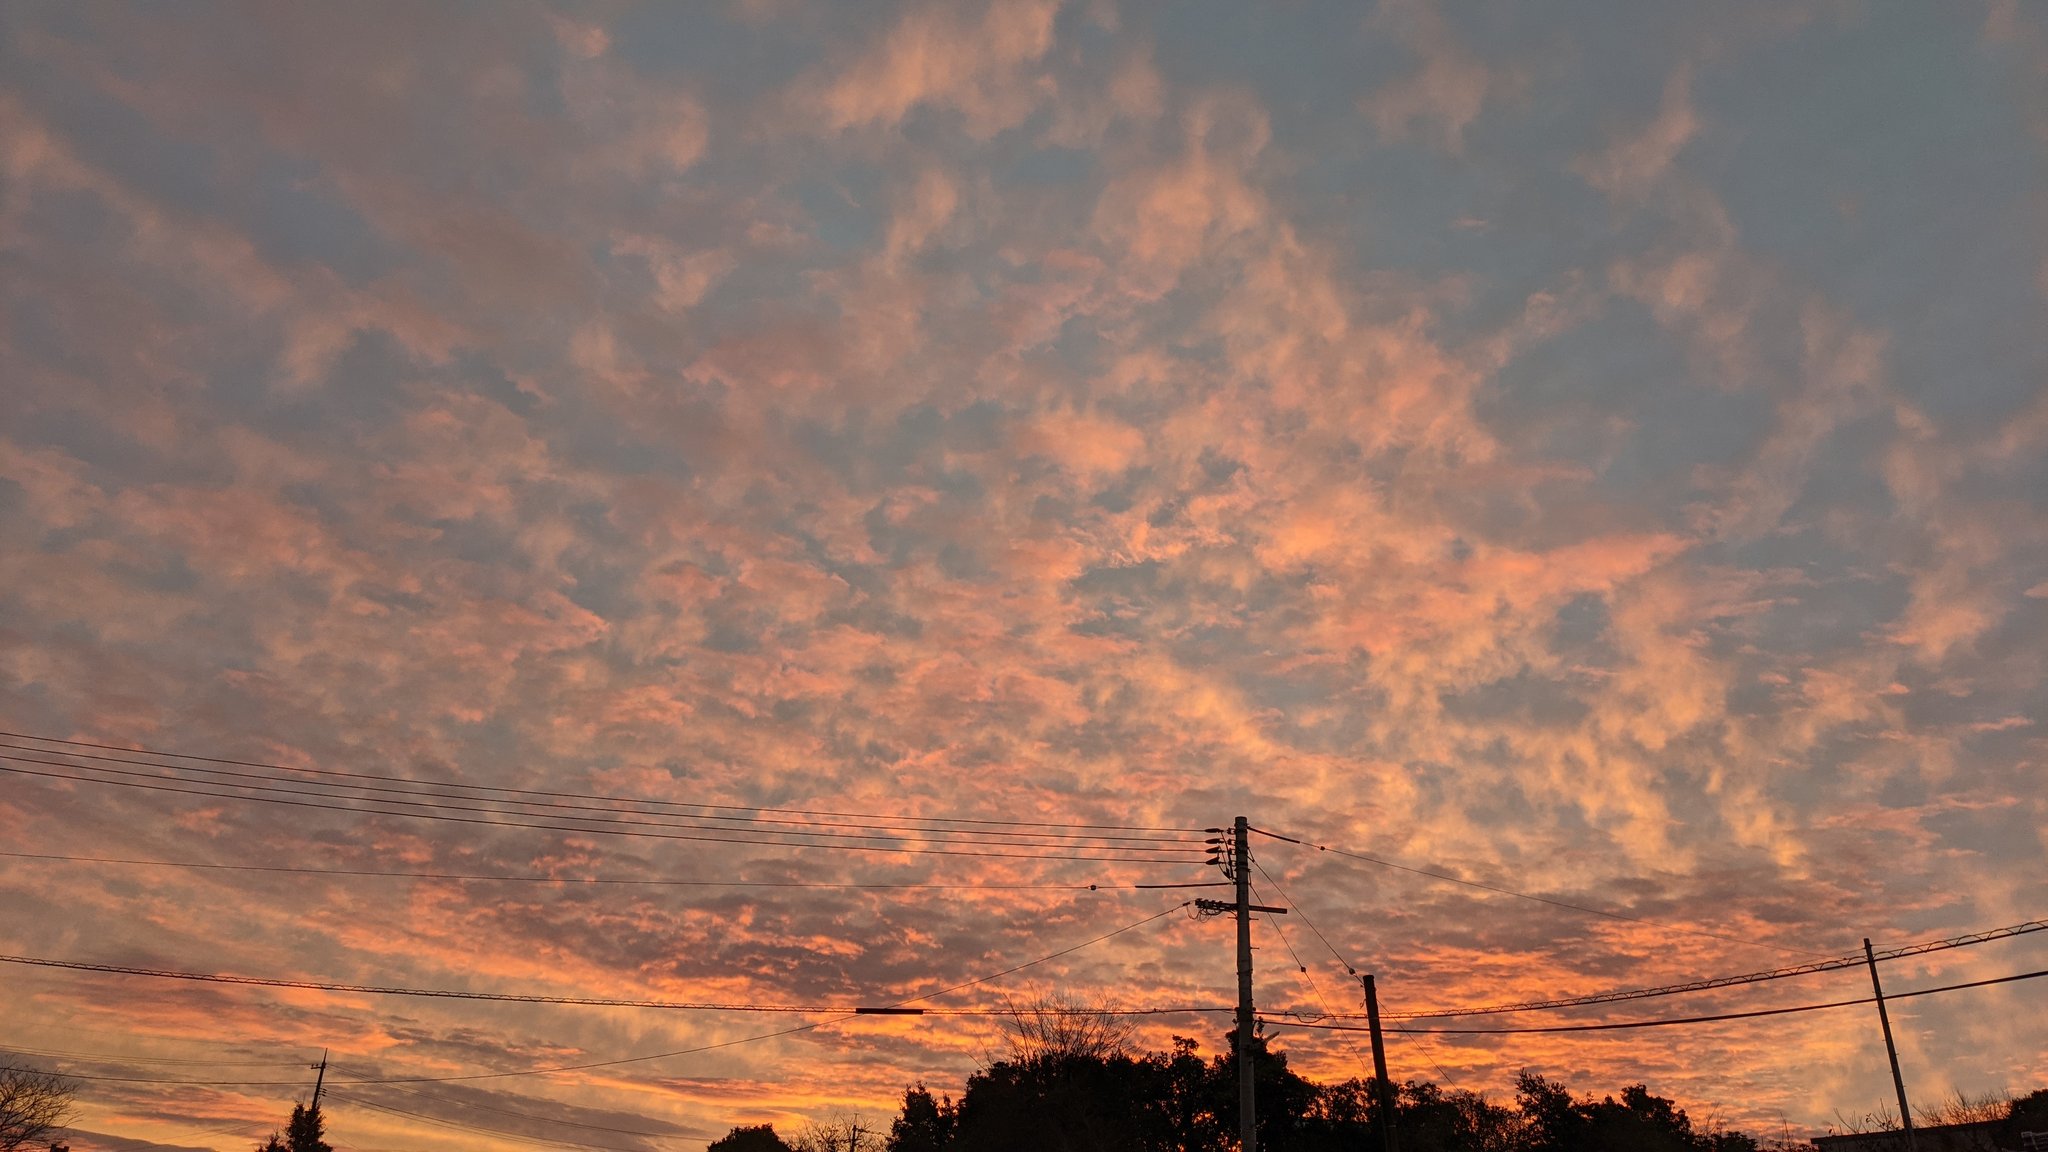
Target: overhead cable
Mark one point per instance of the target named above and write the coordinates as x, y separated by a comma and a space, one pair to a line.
701, 1048
844, 1013
570, 812
542, 878
426, 1094
1296, 904
654, 832
540, 998
1421, 1046
441, 791
1841, 962
1667, 1022
595, 796
547, 1141
299, 1083
110, 1058
423, 993
1495, 888
806, 1027
1307, 977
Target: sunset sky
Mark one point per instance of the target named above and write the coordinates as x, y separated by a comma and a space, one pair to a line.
1594, 450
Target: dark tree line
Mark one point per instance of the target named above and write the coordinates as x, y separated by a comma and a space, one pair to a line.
1078, 1087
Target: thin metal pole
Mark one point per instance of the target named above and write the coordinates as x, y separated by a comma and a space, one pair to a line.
1247, 1107
1890, 1049
1383, 1088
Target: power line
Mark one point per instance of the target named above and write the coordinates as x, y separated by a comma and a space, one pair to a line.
1348, 967
1421, 1046
1289, 945
1914, 949
1679, 1020
236, 1127
537, 878
632, 832
894, 825
593, 796
1842, 962
844, 1013
1135, 924
1495, 888
551, 1070
1855, 961
460, 1103
1307, 977
779, 1034
391, 806
545, 1071
299, 1083
941, 992
185, 1061
549, 1141
458, 994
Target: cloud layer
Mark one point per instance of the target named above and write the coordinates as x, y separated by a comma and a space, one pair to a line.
1601, 460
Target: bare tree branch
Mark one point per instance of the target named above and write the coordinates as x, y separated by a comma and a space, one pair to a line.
33, 1104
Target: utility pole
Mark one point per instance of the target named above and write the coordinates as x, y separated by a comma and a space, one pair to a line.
1890, 1049
1247, 1109
319, 1081
1236, 863
1383, 1088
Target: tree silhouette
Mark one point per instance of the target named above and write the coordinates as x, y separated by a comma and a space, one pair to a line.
2029, 1113
1070, 1085
845, 1134
751, 1138
305, 1132
1432, 1120
924, 1124
1059, 1027
33, 1105
1282, 1096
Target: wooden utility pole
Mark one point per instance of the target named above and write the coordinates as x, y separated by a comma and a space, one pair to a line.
1237, 865
1383, 1088
319, 1081
1890, 1049
1247, 1107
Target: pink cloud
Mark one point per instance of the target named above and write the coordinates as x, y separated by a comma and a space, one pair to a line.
984, 69
1632, 166
1442, 97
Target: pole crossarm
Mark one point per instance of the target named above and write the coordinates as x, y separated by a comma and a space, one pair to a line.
1230, 906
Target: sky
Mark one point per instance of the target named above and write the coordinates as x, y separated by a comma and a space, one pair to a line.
1593, 450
